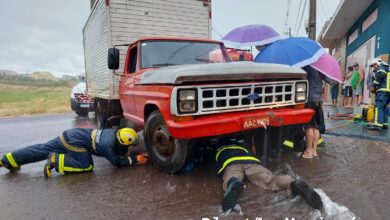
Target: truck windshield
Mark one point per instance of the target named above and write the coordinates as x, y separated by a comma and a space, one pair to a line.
167, 53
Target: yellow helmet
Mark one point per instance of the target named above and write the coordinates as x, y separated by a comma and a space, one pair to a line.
127, 136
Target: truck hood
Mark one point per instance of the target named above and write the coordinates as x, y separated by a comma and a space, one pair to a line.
237, 71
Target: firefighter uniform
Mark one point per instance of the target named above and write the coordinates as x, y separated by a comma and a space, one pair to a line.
72, 151
235, 163
238, 162
381, 83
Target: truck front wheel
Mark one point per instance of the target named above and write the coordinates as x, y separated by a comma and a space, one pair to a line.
167, 153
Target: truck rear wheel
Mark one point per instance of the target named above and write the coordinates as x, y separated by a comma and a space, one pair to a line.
82, 113
167, 153
108, 113
101, 114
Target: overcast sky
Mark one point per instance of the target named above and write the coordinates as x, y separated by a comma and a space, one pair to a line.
46, 35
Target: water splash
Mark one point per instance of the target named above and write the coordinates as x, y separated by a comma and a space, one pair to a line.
331, 210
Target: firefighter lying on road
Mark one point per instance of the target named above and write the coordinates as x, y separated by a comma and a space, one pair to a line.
72, 151
235, 163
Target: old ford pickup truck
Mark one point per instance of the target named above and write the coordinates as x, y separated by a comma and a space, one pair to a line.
184, 89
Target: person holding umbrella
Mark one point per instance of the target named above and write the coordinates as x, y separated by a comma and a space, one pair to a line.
317, 124
319, 65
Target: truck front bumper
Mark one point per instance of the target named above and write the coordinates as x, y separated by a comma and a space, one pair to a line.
227, 123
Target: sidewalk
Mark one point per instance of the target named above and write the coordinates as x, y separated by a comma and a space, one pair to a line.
347, 127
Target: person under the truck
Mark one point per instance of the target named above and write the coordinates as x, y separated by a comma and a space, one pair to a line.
236, 163
316, 126
72, 151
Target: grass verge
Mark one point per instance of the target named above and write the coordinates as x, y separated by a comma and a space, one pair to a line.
27, 100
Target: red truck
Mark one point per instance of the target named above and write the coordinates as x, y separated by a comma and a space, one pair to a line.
240, 54
184, 91
181, 89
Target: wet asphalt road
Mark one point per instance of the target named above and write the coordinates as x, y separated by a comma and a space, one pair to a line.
352, 176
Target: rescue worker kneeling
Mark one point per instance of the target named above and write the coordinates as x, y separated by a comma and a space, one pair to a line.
72, 151
235, 163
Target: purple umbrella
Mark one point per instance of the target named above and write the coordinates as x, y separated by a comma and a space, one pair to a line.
328, 66
251, 35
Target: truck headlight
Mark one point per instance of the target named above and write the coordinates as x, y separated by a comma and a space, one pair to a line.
187, 95
300, 97
301, 87
187, 100
300, 92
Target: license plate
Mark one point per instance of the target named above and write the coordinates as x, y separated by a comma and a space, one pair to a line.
255, 122
84, 105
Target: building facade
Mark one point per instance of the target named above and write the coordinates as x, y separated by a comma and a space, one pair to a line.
358, 32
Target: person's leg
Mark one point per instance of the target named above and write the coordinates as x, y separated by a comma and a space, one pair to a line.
233, 184
316, 138
73, 162
309, 136
380, 106
264, 178
31, 154
360, 95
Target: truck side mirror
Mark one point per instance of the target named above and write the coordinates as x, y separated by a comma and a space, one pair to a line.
113, 58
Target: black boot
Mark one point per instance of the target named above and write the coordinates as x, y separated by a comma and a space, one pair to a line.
299, 187
374, 127
234, 188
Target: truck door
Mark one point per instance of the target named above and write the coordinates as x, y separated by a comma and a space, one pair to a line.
127, 84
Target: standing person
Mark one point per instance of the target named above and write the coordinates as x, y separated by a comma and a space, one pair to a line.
236, 163
317, 123
72, 151
334, 93
357, 82
381, 87
348, 87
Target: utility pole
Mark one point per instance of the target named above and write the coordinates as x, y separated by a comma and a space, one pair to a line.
312, 19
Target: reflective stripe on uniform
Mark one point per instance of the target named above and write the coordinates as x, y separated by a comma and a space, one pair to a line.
62, 168
11, 160
71, 148
61, 161
288, 143
387, 88
230, 148
320, 141
235, 159
72, 169
376, 82
376, 118
93, 139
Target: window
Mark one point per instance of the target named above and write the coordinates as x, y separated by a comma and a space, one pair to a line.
353, 37
132, 60
167, 53
370, 20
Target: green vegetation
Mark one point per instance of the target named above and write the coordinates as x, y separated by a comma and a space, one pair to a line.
29, 81
24, 95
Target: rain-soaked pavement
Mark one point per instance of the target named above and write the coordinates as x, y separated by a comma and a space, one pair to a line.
352, 176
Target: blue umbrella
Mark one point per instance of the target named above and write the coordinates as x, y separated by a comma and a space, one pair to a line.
293, 51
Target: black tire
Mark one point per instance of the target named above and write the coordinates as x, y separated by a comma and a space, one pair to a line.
167, 154
82, 113
101, 115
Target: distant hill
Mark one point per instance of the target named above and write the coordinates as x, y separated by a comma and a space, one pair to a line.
8, 73
42, 75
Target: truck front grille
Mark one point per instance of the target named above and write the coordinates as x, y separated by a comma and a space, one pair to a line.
215, 99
